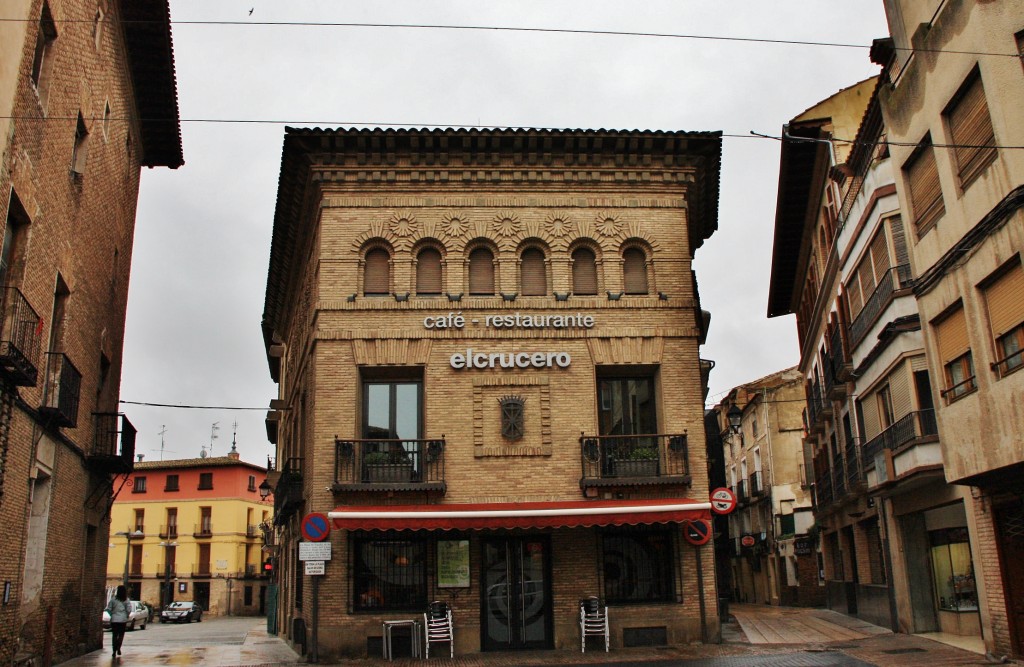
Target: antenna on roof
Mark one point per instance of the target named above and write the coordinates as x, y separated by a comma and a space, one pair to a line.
213, 435
161, 433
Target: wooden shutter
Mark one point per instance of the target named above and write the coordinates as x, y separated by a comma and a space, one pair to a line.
899, 241
1005, 301
584, 272
867, 278
634, 271
853, 298
971, 130
951, 333
925, 190
880, 255
376, 272
532, 278
481, 271
428, 272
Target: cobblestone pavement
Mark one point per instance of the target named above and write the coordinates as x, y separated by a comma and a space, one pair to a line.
244, 643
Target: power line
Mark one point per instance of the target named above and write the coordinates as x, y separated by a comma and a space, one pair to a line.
272, 121
189, 407
566, 31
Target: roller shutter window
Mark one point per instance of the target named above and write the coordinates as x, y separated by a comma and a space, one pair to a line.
880, 255
584, 272
955, 354
899, 241
428, 272
925, 191
377, 273
970, 128
634, 271
1006, 317
532, 277
481, 272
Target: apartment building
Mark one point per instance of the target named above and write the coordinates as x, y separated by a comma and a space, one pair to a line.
192, 529
87, 98
773, 559
951, 107
486, 344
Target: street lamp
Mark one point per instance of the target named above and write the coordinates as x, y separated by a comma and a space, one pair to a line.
735, 416
134, 535
265, 489
166, 598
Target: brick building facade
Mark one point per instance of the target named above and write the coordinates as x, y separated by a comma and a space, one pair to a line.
88, 97
503, 324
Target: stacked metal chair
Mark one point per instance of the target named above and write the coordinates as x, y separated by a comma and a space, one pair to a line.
593, 622
439, 628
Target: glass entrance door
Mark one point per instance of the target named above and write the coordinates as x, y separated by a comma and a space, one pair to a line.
516, 606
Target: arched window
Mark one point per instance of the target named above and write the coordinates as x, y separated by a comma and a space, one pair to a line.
481, 271
532, 276
634, 271
584, 271
377, 273
428, 271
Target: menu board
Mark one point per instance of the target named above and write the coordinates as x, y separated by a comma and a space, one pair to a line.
453, 564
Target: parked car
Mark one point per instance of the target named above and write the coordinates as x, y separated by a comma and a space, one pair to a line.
138, 615
182, 612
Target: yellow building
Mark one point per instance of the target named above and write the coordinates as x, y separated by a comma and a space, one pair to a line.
193, 524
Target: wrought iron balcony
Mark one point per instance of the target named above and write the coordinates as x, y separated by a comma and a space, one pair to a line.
839, 477
823, 494
20, 334
756, 483
63, 387
854, 467
288, 492
251, 571
817, 408
169, 532
161, 572
741, 492
615, 460
389, 465
202, 571
136, 570
204, 529
113, 448
840, 364
252, 531
912, 427
895, 278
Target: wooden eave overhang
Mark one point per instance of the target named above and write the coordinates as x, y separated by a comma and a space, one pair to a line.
309, 154
802, 171
150, 54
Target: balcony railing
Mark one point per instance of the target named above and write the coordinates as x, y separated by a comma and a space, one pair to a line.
136, 570
823, 494
854, 466
169, 532
252, 531
204, 529
20, 338
251, 570
288, 492
610, 460
389, 464
817, 407
756, 483
912, 426
741, 491
63, 387
113, 449
839, 477
895, 278
161, 572
201, 571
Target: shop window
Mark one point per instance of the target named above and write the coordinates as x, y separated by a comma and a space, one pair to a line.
634, 271
172, 483
970, 129
42, 60
428, 272
1006, 317
481, 272
533, 273
389, 574
637, 566
955, 354
205, 481
139, 485
952, 570
584, 272
922, 177
377, 273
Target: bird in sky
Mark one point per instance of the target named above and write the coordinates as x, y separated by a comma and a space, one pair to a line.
250, 10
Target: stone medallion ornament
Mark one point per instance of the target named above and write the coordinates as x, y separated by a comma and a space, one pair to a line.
402, 224
558, 225
453, 225
608, 225
506, 224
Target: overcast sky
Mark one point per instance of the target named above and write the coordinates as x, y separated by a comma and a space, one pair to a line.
203, 235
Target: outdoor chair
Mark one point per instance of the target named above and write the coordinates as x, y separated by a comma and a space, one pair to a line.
593, 622
438, 625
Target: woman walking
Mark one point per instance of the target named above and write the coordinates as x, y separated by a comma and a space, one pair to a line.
118, 610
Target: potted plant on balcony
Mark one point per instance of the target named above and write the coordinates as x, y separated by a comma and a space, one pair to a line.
390, 466
636, 462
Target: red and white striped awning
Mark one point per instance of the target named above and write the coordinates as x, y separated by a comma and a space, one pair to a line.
485, 516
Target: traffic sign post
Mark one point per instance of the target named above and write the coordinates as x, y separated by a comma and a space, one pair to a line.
723, 500
697, 532
314, 551
314, 567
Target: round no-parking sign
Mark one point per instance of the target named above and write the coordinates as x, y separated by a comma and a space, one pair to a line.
315, 527
697, 532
